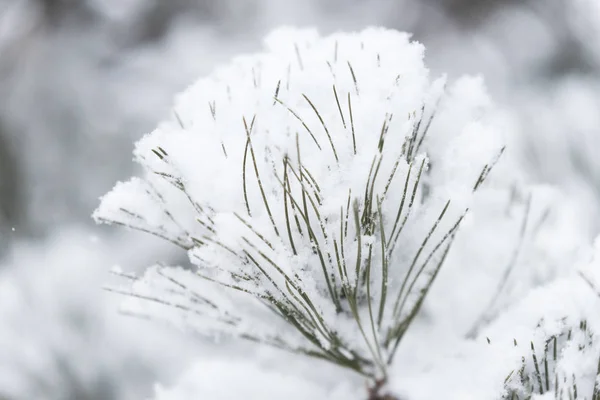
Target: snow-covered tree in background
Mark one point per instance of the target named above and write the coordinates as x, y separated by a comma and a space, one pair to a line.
318, 188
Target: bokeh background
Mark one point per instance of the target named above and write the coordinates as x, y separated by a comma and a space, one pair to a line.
82, 80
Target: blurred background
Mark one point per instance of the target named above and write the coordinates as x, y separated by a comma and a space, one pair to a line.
82, 80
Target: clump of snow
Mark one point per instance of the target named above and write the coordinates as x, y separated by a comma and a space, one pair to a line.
225, 379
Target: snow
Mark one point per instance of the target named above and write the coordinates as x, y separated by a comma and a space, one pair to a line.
229, 379
325, 113
96, 89
61, 335
284, 103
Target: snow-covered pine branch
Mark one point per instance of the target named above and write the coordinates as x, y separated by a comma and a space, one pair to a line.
317, 187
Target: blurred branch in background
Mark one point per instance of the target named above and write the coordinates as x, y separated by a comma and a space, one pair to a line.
10, 191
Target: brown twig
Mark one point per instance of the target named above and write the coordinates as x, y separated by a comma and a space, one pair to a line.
375, 391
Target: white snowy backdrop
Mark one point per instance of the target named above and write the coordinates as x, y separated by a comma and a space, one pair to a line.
81, 81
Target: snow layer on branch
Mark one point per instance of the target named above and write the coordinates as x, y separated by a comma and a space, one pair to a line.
326, 179
466, 369
478, 369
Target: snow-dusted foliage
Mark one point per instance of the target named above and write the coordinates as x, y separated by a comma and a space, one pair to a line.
324, 182
562, 360
567, 363
321, 182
